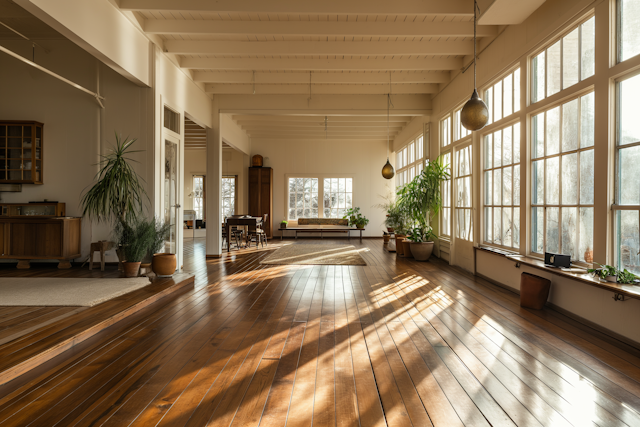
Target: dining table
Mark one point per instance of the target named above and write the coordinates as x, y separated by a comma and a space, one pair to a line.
249, 222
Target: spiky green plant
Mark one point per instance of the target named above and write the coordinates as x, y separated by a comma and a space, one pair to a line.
136, 236
118, 192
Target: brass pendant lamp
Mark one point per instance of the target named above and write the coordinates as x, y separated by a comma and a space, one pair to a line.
387, 169
475, 114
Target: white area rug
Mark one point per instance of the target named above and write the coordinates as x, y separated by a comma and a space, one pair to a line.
70, 292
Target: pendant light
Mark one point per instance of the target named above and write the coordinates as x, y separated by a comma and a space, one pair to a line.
387, 169
474, 114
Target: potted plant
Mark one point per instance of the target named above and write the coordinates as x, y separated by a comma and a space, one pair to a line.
118, 194
397, 220
421, 200
386, 237
355, 218
387, 205
163, 264
421, 234
283, 223
136, 237
611, 274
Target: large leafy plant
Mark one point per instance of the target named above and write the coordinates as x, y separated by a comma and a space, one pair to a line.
397, 218
355, 217
118, 192
421, 198
421, 234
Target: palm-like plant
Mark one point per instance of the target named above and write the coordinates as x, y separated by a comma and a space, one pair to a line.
118, 192
421, 199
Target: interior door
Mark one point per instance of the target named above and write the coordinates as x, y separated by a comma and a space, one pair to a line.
171, 197
463, 207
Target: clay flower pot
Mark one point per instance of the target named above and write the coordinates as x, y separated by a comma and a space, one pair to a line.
386, 238
131, 269
164, 265
421, 251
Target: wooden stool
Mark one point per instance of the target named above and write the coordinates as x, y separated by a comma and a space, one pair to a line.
101, 246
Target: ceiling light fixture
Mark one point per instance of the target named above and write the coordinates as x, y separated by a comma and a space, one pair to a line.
475, 114
387, 169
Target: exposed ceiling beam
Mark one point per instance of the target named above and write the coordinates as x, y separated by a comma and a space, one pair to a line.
320, 64
314, 118
331, 78
321, 137
321, 89
318, 28
348, 48
319, 123
308, 7
330, 130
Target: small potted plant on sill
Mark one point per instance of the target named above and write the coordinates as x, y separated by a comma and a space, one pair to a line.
283, 223
355, 218
609, 273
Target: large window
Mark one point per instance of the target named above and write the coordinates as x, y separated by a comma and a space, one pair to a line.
410, 161
565, 63
306, 194
501, 174
463, 199
303, 198
229, 196
562, 178
627, 204
503, 98
628, 29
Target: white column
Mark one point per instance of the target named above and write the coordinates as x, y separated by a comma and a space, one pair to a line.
214, 185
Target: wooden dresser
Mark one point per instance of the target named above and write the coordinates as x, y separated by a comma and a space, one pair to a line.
39, 231
261, 196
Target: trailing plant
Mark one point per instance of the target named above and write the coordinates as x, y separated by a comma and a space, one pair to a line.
622, 276
421, 234
136, 236
355, 217
118, 192
421, 198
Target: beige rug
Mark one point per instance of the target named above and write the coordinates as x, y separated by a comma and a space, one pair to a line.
315, 255
56, 291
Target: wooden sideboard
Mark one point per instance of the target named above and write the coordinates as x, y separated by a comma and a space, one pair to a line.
34, 238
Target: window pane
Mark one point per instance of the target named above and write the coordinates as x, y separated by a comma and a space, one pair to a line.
551, 236
488, 225
629, 125
516, 90
488, 99
497, 102
497, 226
629, 176
588, 48
488, 150
537, 178
516, 185
586, 177
507, 147
412, 153
553, 69
569, 182
507, 226
538, 78
537, 230
628, 240
516, 143
507, 186
586, 235
538, 136
570, 59
516, 227
553, 131
629, 28
570, 126
497, 184
553, 181
488, 188
497, 149
508, 95
587, 127
569, 232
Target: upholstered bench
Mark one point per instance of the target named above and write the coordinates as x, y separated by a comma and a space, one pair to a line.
322, 225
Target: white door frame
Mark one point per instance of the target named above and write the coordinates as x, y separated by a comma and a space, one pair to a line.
168, 135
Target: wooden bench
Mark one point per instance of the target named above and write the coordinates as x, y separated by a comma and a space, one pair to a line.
322, 225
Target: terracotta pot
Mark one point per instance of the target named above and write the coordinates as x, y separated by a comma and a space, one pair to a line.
131, 268
399, 247
390, 229
422, 251
406, 247
164, 265
386, 238
588, 255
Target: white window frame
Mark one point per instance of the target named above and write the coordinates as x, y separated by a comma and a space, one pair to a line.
559, 39
321, 178
489, 98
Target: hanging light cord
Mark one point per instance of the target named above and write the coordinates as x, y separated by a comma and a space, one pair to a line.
475, 9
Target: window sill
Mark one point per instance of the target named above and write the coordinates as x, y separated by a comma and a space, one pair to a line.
579, 274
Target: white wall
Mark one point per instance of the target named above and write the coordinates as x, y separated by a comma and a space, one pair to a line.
72, 126
361, 159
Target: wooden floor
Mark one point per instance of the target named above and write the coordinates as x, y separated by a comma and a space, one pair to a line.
396, 342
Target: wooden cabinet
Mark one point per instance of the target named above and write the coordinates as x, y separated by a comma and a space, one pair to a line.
261, 195
39, 209
40, 238
21, 152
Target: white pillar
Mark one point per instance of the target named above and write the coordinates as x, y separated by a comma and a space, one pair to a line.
214, 185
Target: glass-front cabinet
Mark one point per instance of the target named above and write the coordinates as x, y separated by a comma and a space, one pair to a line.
21, 152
